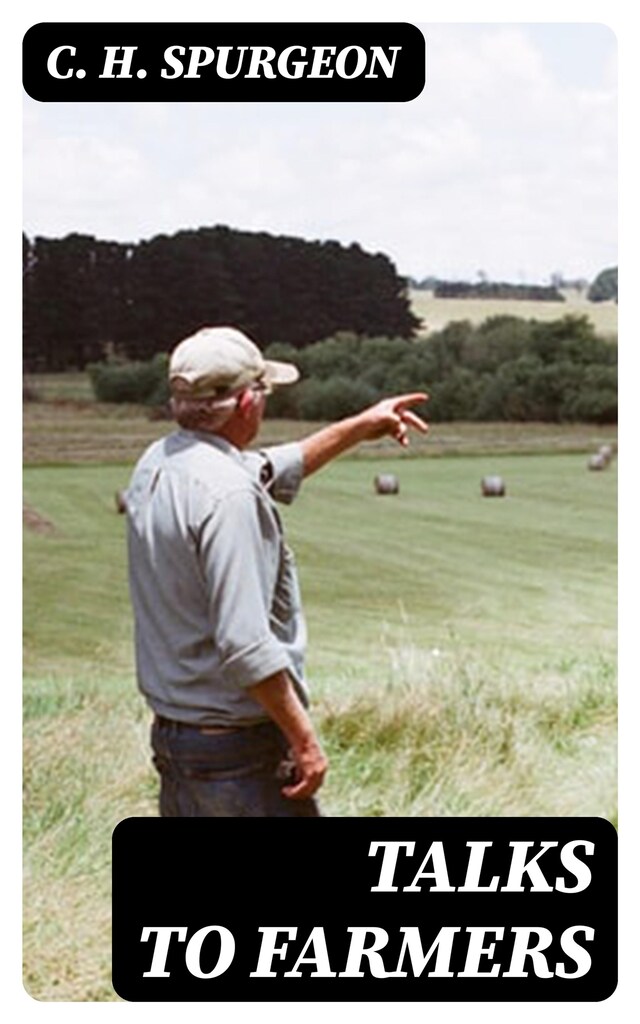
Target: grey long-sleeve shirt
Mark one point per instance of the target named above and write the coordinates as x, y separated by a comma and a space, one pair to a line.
213, 585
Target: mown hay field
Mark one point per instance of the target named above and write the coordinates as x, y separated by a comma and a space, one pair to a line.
436, 313
77, 431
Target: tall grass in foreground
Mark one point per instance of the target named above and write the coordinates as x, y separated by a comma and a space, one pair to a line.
456, 737
449, 736
85, 768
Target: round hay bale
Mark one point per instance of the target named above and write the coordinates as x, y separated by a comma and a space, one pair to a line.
493, 487
386, 483
597, 462
606, 451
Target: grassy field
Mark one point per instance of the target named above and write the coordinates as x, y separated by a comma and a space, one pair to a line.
462, 653
437, 313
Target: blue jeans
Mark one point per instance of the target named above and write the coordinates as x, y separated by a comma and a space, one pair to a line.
235, 774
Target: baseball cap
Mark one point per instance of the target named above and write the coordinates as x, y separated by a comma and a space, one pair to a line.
217, 360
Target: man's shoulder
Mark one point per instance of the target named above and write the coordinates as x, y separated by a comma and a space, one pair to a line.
191, 459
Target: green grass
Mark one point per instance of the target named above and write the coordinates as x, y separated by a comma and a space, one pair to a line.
456, 735
86, 767
440, 566
462, 661
75, 597
525, 573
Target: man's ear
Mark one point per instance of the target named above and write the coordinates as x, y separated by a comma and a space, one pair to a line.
245, 401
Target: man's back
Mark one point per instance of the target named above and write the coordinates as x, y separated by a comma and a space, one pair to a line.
209, 574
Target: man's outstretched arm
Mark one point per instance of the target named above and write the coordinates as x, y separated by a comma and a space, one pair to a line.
391, 417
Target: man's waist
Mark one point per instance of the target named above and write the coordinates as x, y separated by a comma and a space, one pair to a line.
207, 729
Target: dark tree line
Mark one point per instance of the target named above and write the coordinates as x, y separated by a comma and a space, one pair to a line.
497, 290
84, 297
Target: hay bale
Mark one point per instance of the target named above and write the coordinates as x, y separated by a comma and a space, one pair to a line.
597, 462
606, 452
493, 487
386, 483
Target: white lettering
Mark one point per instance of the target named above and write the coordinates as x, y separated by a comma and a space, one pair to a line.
412, 943
387, 65
521, 950
341, 61
161, 949
264, 62
194, 948
575, 866
521, 866
385, 882
476, 950
576, 952
298, 65
268, 950
358, 950
474, 867
223, 58
173, 62
52, 62
320, 958
319, 62
435, 854
200, 57
111, 60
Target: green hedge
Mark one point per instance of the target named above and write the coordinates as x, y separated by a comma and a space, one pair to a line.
143, 383
505, 369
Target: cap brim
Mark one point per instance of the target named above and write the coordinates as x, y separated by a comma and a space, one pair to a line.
278, 374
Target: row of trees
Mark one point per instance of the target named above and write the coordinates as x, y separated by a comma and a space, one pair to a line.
84, 297
496, 290
604, 288
506, 369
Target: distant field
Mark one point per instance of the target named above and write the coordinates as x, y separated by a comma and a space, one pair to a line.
80, 432
437, 313
61, 387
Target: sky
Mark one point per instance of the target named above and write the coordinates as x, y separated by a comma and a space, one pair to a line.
505, 166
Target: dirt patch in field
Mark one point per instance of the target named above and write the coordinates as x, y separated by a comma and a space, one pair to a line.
33, 520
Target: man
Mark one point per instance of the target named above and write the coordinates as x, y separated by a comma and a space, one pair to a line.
219, 631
